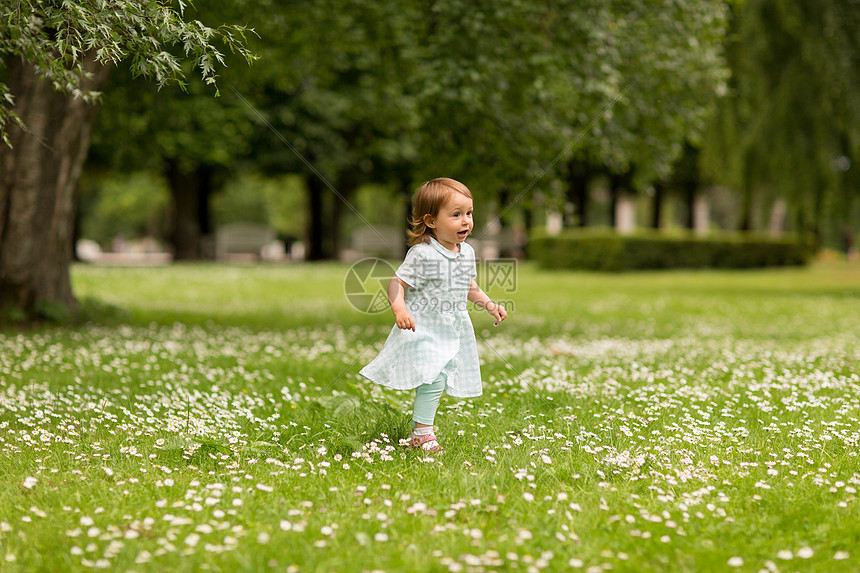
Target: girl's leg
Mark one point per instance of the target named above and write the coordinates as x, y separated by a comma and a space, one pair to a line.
427, 398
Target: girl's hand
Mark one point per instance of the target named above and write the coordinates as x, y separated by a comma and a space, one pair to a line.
405, 321
498, 312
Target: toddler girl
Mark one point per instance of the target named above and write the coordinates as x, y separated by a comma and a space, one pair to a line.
432, 348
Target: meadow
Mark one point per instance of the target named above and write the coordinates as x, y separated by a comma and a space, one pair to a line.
211, 418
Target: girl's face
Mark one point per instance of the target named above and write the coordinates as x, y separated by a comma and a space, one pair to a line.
453, 223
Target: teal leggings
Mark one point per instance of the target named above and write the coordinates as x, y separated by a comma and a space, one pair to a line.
427, 398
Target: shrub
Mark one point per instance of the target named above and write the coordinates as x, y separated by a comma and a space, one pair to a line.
609, 251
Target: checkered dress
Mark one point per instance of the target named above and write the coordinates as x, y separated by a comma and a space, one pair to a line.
444, 339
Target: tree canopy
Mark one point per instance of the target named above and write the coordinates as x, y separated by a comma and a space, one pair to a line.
789, 127
398, 92
55, 38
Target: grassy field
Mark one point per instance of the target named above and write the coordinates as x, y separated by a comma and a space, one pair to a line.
212, 418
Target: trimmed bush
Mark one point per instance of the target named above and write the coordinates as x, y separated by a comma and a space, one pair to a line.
608, 251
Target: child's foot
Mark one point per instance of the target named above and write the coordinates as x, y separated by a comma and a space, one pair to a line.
427, 442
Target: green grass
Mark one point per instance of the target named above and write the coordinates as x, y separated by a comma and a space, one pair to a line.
212, 418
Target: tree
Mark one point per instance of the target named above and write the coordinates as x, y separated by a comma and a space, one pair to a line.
485, 82
789, 128
57, 57
190, 138
333, 101
328, 99
481, 82
666, 63
400, 92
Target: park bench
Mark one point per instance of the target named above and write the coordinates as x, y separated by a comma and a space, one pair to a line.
377, 241
242, 240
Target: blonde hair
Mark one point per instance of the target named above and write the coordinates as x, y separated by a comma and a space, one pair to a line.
429, 198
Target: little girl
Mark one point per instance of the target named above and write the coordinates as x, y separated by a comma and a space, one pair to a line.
432, 348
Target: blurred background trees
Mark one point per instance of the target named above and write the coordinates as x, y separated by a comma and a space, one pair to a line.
786, 136
510, 98
706, 114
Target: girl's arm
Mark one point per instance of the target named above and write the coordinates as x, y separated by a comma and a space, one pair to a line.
481, 300
402, 316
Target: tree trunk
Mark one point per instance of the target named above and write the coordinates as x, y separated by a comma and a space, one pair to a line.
190, 193
746, 221
616, 186
207, 187
817, 218
613, 205
38, 178
657, 212
528, 218
689, 190
577, 192
315, 188
335, 234
522, 237
776, 226
746, 218
504, 200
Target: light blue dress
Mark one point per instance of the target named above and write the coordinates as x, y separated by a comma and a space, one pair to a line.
444, 339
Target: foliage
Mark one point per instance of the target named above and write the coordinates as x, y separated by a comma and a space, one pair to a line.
790, 126
54, 37
518, 85
332, 84
479, 81
327, 92
136, 205
278, 202
374, 203
130, 206
390, 92
141, 128
668, 62
607, 251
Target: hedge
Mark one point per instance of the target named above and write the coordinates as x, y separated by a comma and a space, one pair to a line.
608, 251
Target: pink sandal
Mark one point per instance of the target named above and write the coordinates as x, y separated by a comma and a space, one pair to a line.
425, 443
